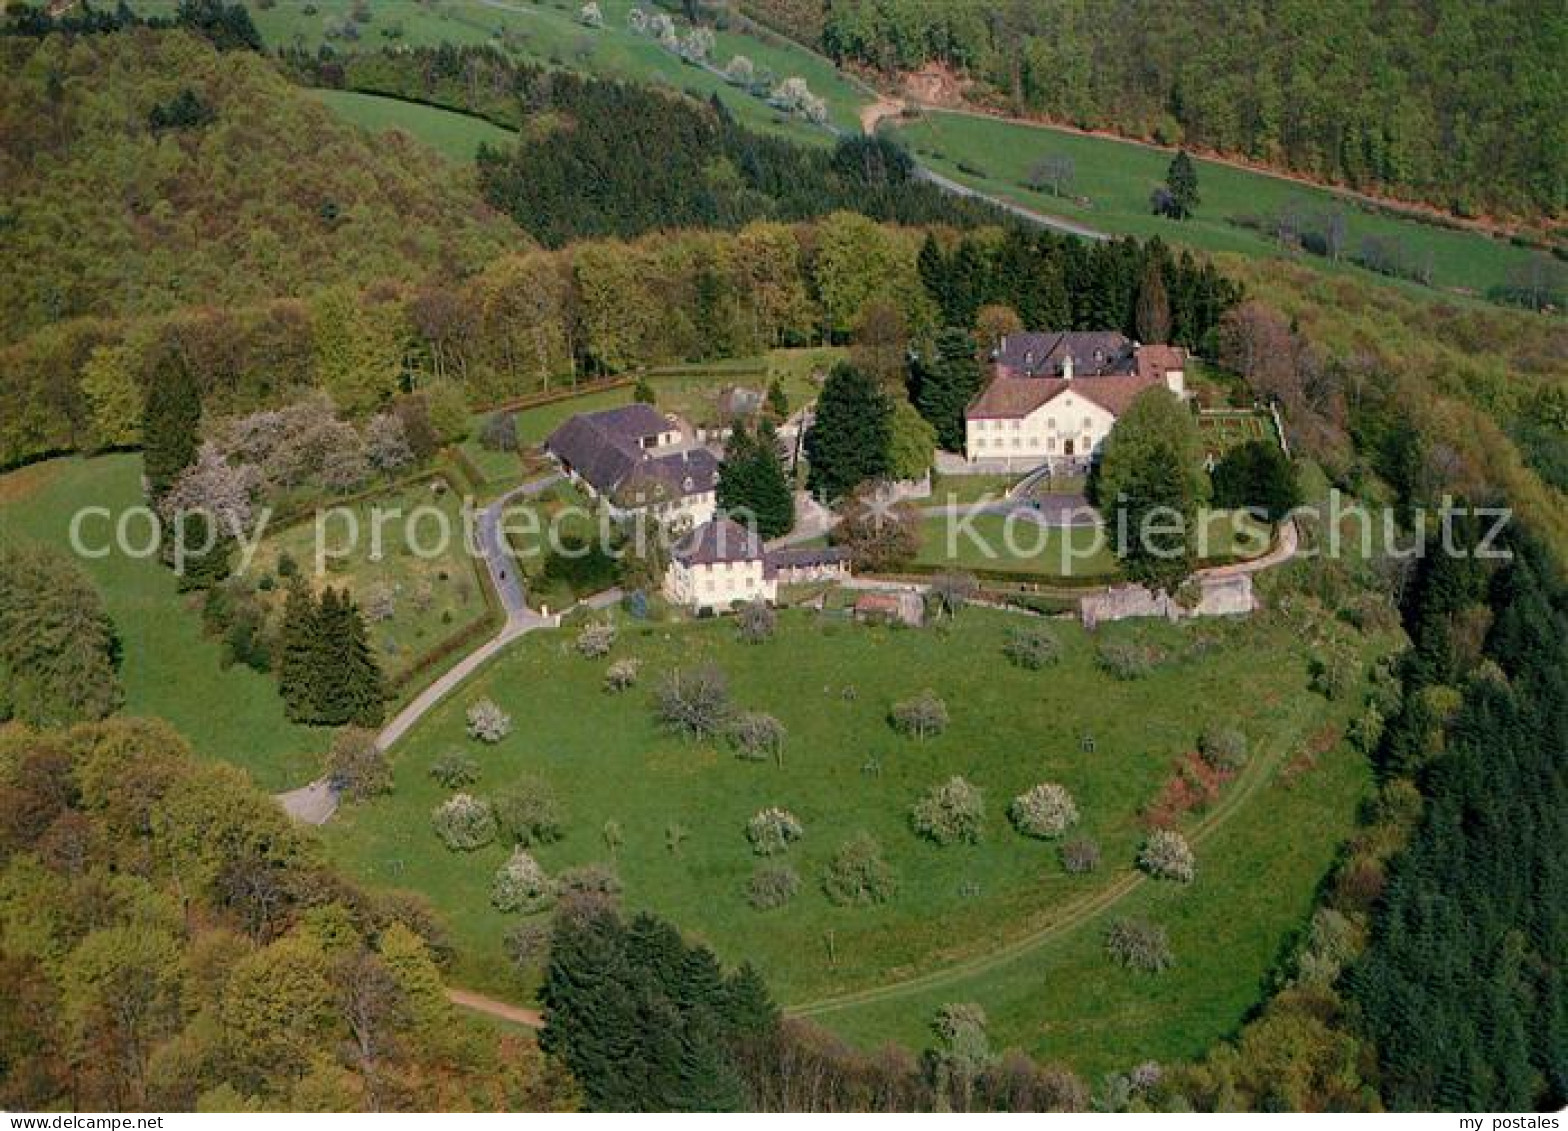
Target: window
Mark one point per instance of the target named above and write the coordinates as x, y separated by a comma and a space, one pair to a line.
1087, 423
1017, 424
1050, 445
1051, 423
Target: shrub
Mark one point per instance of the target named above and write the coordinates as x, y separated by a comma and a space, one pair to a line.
1124, 659
1166, 855
857, 875
487, 722
1033, 648
694, 703
756, 735
756, 622
356, 766
499, 432
1224, 748
622, 675
589, 887
595, 640
1139, 945
521, 884
1046, 810
773, 830
772, 886
454, 769
529, 812
951, 812
527, 945
1332, 677
463, 822
1081, 855
921, 717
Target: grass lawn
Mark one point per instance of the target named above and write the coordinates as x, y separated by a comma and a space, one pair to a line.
970, 488
692, 390
455, 136
435, 596
170, 668
1010, 729
998, 543
498, 469
1116, 178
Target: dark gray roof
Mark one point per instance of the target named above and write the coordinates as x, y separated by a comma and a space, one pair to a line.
807, 556
1095, 353
605, 448
721, 540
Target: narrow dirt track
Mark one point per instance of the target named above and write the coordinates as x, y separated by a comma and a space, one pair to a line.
478, 1003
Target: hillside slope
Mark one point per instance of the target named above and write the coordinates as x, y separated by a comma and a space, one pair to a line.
125, 195
1457, 105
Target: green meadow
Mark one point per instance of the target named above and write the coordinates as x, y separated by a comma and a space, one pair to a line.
1114, 179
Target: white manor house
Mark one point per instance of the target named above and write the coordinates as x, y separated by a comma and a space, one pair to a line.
1054, 396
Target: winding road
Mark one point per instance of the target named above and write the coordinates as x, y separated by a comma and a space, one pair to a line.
314, 804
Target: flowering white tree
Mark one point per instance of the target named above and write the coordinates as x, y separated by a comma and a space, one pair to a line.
1047, 810
487, 722
386, 443
697, 45
662, 28
951, 812
463, 822
521, 884
773, 830
596, 639
1166, 855
741, 71
794, 97
222, 490
590, 15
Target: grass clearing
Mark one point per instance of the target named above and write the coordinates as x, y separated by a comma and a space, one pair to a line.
455, 136
843, 770
170, 668
551, 34
1116, 177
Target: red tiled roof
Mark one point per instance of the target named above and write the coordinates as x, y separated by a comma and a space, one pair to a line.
1153, 361
1016, 397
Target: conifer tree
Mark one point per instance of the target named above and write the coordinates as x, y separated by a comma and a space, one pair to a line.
753, 485
1154, 306
1181, 179
171, 415
777, 404
349, 688
298, 667
848, 444
945, 382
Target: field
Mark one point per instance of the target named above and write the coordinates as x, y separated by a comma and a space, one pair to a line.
683, 851
455, 136
170, 668
551, 34
994, 544
431, 597
1116, 177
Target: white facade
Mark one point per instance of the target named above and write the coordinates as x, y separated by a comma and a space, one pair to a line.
1068, 425
718, 585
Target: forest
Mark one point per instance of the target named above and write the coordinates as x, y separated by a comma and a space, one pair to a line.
1460, 106
597, 157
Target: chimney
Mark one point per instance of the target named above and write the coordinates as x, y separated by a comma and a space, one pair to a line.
1067, 367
